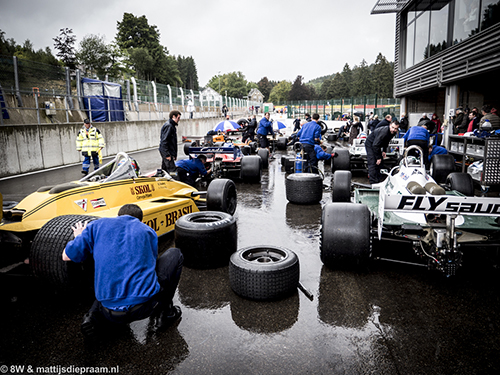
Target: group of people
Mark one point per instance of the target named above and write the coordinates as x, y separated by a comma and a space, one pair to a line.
466, 120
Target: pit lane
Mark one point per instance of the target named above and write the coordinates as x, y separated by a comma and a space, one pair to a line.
387, 319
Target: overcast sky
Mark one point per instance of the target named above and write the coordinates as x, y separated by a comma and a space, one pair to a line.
274, 38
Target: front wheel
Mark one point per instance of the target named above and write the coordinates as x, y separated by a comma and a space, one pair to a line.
221, 196
46, 253
441, 167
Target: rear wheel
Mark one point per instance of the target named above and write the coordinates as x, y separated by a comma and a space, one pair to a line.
461, 182
251, 168
264, 272
341, 186
206, 239
304, 188
281, 144
441, 167
345, 233
342, 160
264, 155
187, 146
221, 196
46, 253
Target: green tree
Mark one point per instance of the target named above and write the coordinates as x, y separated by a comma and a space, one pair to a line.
338, 88
299, 90
234, 83
265, 87
94, 54
383, 77
142, 62
188, 72
280, 92
347, 74
324, 92
64, 43
362, 80
7, 46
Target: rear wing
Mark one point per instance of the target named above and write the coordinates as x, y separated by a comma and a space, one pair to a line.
437, 204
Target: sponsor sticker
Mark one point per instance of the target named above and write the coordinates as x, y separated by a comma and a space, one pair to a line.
142, 189
82, 203
97, 203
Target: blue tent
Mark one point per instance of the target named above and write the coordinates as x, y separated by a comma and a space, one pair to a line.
106, 103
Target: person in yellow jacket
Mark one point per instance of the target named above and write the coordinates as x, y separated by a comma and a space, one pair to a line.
90, 142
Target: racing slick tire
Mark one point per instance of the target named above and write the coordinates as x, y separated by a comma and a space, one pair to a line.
288, 163
342, 160
221, 196
251, 168
187, 146
461, 182
264, 155
331, 137
345, 233
246, 150
264, 273
441, 167
324, 127
206, 239
254, 146
281, 144
341, 186
304, 188
46, 254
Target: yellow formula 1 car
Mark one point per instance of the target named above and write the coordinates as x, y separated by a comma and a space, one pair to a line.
39, 226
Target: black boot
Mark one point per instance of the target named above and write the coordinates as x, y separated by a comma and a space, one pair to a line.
168, 317
89, 327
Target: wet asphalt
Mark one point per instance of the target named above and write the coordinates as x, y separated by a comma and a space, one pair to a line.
386, 318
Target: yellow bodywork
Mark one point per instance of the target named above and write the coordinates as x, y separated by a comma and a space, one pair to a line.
162, 200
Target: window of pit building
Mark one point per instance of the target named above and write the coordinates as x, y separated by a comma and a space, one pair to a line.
431, 26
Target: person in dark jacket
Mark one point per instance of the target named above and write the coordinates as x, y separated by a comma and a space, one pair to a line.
250, 131
131, 282
188, 170
296, 124
459, 121
372, 124
356, 128
404, 123
419, 136
309, 135
168, 142
385, 122
429, 124
376, 144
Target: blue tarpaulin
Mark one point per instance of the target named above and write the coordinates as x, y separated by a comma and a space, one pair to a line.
105, 99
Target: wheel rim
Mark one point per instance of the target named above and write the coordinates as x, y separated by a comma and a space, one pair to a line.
264, 255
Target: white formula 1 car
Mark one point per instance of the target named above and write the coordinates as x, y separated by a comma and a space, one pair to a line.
441, 221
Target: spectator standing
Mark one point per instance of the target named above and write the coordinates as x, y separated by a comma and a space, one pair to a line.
224, 110
168, 142
250, 131
296, 124
372, 125
473, 121
309, 135
419, 136
488, 114
90, 142
356, 128
435, 119
458, 121
376, 144
404, 123
385, 122
130, 282
190, 108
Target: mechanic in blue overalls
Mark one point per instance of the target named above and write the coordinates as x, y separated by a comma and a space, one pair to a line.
188, 170
419, 136
265, 128
310, 135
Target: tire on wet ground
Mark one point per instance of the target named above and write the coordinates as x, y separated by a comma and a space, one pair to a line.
331, 137
251, 168
461, 182
206, 239
264, 273
288, 163
304, 188
221, 196
46, 254
264, 155
281, 143
345, 234
441, 167
342, 160
246, 150
341, 186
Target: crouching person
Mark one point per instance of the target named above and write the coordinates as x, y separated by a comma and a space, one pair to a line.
130, 282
